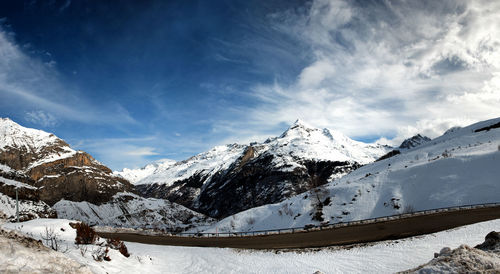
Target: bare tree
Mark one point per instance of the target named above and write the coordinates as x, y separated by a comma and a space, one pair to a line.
51, 239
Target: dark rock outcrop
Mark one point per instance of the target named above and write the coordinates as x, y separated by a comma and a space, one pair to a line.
389, 155
491, 242
414, 141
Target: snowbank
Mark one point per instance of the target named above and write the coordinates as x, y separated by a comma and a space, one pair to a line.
382, 257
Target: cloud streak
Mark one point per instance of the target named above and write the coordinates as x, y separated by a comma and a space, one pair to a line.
41, 118
393, 68
35, 86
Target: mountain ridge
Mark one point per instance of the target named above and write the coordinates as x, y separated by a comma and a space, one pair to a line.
300, 158
455, 169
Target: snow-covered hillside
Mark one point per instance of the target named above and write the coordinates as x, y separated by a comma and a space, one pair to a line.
299, 142
29, 206
205, 164
27, 209
132, 211
232, 178
380, 257
302, 141
50, 169
136, 175
21, 254
458, 168
43, 146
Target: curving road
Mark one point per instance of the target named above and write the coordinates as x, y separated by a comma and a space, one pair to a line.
385, 230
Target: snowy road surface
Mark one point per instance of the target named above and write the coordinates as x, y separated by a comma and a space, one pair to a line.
358, 233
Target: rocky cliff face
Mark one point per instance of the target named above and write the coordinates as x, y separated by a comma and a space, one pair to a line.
53, 170
414, 141
233, 178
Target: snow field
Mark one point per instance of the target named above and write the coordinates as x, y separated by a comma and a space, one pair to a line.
381, 257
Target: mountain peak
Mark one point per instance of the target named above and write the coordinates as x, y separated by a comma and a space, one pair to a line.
300, 123
298, 128
414, 141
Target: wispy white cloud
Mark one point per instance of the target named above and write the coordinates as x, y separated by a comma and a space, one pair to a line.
392, 68
32, 83
135, 152
41, 118
142, 151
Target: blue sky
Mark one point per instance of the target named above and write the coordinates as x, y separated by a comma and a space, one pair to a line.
142, 80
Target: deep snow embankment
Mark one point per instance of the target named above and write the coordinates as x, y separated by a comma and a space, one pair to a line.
381, 257
20, 254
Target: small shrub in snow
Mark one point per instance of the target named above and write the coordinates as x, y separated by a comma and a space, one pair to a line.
100, 254
119, 245
83, 249
327, 201
409, 209
318, 216
84, 233
286, 209
51, 239
251, 220
308, 226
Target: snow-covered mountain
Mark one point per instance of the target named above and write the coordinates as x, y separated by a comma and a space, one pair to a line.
136, 175
414, 141
49, 172
132, 211
229, 179
51, 168
458, 168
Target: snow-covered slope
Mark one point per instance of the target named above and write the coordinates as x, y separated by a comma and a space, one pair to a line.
379, 257
40, 145
306, 142
232, 178
458, 168
205, 164
21, 254
136, 175
44, 162
27, 209
132, 211
299, 142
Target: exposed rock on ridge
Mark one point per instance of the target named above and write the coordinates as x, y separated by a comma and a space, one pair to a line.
233, 178
53, 168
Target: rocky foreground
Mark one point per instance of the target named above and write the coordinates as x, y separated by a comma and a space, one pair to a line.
483, 258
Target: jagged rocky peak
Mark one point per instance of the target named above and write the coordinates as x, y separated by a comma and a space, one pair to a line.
414, 141
298, 129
